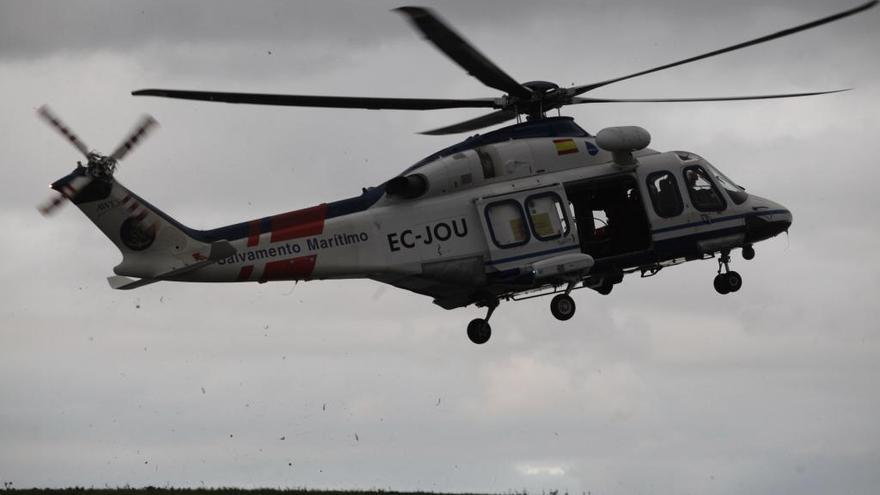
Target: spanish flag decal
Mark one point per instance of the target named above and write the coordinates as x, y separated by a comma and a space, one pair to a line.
565, 146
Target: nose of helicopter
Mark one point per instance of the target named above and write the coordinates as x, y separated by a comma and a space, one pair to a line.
769, 219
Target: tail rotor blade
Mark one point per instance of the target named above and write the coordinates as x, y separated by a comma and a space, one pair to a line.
144, 127
51, 204
55, 122
65, 192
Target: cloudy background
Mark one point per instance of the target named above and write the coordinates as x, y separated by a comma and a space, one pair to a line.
662, 387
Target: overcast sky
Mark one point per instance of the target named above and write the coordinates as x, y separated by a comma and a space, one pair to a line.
662, 387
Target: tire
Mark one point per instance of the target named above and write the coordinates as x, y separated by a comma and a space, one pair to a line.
734, 281
720, 284
605, 289
562, 306
748, 252
479, 331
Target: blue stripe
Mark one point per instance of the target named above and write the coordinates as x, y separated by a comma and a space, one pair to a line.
722, 219
533, 255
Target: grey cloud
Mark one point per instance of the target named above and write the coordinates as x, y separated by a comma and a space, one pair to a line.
662, 386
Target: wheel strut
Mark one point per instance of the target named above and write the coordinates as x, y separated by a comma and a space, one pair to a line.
562, 306
479, 330
724, 261
729, 281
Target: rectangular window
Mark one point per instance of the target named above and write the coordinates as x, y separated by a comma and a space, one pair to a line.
547, 216
665, 195
507, 224
704, 195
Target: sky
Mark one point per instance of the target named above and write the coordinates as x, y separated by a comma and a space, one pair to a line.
662, 387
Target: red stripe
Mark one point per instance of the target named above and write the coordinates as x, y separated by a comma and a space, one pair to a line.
245, 273
134, 206
141, 216
126, 199
290, 269
300, 223
254, 233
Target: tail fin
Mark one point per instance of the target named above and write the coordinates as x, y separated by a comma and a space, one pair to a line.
152, 243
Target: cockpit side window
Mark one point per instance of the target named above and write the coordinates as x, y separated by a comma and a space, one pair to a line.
665, 195
704, 195
736, 193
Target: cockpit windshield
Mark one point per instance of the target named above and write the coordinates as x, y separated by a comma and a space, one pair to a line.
737, 194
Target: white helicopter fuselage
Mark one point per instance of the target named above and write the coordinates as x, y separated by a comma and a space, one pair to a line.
478, 221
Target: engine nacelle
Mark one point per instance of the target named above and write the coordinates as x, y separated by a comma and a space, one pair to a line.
407, 187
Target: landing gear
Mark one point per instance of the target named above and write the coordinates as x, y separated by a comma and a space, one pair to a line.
728, 281
479, 330
605, 288
748, 252
609, 280
562, 306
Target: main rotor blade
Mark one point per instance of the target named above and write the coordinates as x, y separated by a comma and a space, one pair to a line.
462, 52
55, 122
473, 124
580, 99
322, 101
785, 32
147, 122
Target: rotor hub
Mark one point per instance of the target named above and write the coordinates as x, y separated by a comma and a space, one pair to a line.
101, 166
541, 87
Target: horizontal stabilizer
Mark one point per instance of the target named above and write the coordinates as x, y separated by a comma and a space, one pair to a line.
125, 283
219, 250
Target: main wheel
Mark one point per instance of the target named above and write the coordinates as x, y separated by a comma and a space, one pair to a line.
734, 281
605, 288
562, 307
479, 331
720, 283
748, 252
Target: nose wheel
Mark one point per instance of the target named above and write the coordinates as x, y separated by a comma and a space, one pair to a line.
726, 281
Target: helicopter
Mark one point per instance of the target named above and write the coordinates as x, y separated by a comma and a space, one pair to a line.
537, 208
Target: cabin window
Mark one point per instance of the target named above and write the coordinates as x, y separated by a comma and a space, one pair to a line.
547, 216
507, 223
736, 193
704, 195
665, 195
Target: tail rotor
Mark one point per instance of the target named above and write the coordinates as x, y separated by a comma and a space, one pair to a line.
97, 167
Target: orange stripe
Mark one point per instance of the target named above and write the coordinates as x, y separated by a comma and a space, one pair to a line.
254, 233
290, 269
300, 223
245, 273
